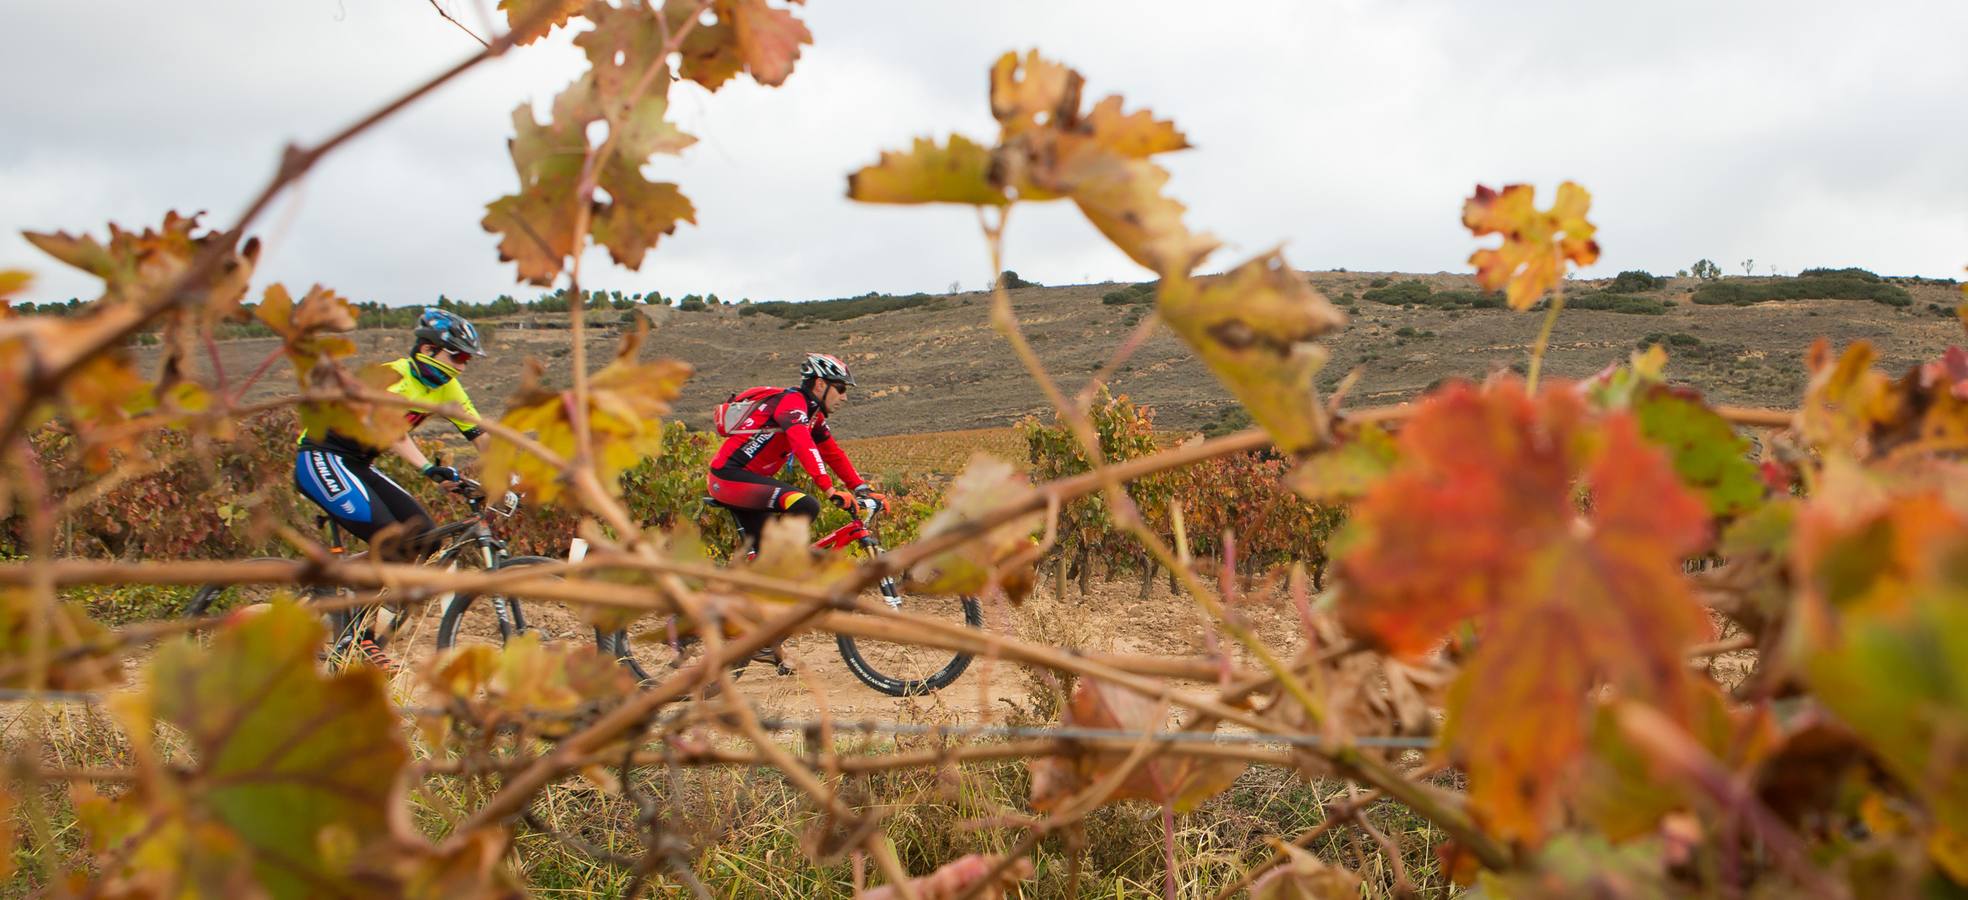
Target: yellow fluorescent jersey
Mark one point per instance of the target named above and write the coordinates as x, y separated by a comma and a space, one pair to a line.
423, 380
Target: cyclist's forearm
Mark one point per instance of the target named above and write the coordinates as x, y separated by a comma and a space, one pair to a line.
407, 448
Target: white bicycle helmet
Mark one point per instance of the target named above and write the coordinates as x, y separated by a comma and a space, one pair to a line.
825, 368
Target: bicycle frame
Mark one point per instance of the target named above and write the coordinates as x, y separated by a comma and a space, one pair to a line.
856, 532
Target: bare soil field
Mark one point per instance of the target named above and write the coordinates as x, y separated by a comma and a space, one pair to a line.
941, 367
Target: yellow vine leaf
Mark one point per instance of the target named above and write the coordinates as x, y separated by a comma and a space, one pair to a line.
627, 84
374, 424
1049, 148
506, 685
544, 16
641, 212
1255, 327
1533, 255
61, 629
1122, 197
289, 772
13, 281
959, 172
985, 484
1359, 456
626, 402
308, 329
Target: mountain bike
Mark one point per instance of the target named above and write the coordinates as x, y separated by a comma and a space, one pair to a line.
895, 669
469, 543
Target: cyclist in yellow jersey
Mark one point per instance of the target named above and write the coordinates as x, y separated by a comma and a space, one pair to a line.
337, 471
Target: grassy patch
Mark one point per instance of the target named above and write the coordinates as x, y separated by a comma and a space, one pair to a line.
1415, 292
837, 310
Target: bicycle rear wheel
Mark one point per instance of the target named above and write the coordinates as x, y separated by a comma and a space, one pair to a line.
651, 648
494, 618
903, 669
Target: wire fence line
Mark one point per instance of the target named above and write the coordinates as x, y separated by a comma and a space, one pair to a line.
907, 729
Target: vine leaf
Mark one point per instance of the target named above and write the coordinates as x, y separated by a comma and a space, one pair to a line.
67, 628
1304, 877
985, 484
959, 172
769, 39
290, 768
627, 87
545, 16
641, 212
502, 686
1182, 782
1850, 408
626, 401
1049, 149
13, 281
1706, 451
1883, 624
954, 878
1478, 521
1255, 327
1533, 255
1360, 456
306, 329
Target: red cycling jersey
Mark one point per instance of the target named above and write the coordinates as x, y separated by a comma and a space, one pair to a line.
800, 431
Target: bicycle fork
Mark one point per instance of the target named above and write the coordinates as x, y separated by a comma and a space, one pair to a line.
891, 590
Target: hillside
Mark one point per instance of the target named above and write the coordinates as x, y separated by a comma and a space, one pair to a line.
940, 366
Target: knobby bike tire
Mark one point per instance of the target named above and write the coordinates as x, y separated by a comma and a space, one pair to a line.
448, 628
912, 682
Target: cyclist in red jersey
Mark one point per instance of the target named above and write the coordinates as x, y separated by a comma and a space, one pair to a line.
791, 425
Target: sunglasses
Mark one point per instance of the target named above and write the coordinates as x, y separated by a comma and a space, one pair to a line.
459, 357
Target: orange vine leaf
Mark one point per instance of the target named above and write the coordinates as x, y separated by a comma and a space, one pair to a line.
544, 16
1533, 255
1478, 520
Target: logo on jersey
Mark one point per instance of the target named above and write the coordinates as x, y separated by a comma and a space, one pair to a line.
331, 480
348, 506
798, 416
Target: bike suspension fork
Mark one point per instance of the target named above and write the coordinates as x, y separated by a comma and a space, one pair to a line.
891, 590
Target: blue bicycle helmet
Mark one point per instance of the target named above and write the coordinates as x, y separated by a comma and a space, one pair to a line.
448, 330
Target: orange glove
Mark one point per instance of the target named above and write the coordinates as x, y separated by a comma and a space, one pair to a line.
869, 493
840, 498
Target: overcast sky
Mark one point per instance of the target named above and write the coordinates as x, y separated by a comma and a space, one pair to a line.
1798, 133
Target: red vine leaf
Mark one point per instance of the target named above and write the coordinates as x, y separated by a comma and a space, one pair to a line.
1533, 255
1478, 520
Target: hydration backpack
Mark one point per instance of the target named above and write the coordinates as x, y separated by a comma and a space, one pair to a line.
729, 417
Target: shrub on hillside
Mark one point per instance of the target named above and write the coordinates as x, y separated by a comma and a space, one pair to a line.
1635, 281
1837, 286
1012, 282
1143, 292
1417, 293
837, 310
1619, 303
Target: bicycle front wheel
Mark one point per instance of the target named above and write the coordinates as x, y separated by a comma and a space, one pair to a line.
494, 618
902, 669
